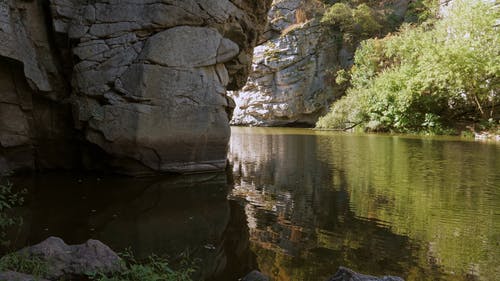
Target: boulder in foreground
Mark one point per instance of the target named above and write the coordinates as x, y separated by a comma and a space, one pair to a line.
66, 261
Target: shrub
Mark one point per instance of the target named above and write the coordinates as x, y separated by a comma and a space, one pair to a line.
8, 200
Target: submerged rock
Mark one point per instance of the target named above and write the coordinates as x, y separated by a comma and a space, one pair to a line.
66, 261
345, 274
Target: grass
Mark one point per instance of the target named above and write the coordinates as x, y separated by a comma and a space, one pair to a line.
24, 264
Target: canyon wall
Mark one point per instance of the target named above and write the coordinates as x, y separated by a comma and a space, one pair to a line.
289, 83
294, 68
138, 87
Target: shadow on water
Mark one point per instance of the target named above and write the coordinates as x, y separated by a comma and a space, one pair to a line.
176, 216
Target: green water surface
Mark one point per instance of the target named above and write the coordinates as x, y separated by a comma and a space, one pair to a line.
418, 207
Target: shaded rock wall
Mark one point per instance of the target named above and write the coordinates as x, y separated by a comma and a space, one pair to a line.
35, 116
145, 81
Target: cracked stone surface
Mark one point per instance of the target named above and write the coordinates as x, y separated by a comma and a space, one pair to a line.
135, 86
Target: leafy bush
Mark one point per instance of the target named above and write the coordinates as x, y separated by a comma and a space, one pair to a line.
360, 21
426, 78
420, 11
8, 200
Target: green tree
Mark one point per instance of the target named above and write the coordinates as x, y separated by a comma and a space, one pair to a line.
426, 78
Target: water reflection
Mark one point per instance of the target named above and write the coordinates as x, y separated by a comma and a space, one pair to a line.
173, 215
420, 208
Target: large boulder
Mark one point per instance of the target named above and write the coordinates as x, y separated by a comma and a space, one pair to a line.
150, 77
137, 85
67, 261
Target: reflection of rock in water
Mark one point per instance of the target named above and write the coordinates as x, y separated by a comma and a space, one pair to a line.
173, 215
298, 209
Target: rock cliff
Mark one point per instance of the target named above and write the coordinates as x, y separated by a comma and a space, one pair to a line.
289, 83
293, 71
137, 86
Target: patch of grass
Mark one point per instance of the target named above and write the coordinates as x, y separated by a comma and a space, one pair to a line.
24, 264
154, 268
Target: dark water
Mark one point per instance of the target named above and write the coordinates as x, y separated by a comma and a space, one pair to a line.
296, 204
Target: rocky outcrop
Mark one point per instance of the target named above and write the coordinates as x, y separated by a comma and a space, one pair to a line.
35, 124
56, 260
142, 83
67, 261
290, 82
293, 73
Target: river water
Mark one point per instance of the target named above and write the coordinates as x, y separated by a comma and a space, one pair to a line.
296, 204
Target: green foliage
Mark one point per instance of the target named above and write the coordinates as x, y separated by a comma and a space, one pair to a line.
365, 20
24, 264
154, 268
420, 11
425, 79
342, 77
8, 200
360, 21
339, 14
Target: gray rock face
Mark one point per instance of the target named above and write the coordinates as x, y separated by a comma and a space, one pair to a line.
145, 80
293, 71
345, 274
66, 261
289, 82
34, 115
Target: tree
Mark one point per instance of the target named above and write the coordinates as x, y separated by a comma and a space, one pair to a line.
426, 79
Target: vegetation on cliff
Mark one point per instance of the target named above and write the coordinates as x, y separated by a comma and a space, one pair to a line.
428, 77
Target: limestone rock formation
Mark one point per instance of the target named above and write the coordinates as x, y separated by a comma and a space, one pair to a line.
293, 71
289, 83
140, 84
